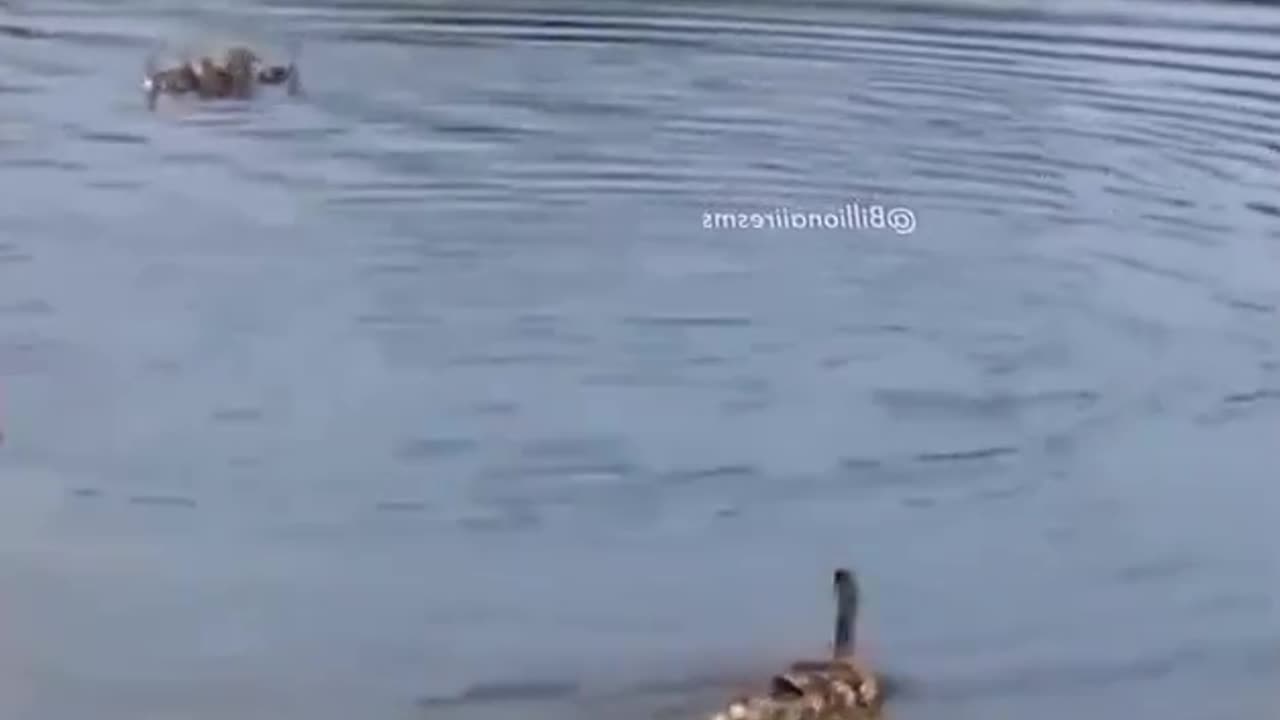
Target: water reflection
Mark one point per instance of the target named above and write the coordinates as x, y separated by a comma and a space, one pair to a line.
428, 395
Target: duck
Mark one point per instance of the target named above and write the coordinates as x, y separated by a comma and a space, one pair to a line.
841, 687
236, 76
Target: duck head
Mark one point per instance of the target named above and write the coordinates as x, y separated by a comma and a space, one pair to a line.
845, 584
275, 74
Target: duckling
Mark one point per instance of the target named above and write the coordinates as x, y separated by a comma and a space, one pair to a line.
178, 80
839, 688
241, 69
246, 68
213, 80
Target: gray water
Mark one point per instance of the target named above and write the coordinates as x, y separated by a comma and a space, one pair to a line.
428, 395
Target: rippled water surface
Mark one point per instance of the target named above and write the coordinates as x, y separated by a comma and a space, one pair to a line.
428, 394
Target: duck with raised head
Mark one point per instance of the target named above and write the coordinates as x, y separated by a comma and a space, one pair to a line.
838, 688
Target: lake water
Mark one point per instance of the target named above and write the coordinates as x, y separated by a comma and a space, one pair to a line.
428, 395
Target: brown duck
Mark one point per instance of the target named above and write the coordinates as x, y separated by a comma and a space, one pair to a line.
839, 688
237, 76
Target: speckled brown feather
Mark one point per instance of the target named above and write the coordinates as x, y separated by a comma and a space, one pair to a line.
236, 76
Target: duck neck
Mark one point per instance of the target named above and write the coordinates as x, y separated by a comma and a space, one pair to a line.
846, 614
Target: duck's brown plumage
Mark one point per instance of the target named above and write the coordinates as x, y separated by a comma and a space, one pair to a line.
236, 76
838, 688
